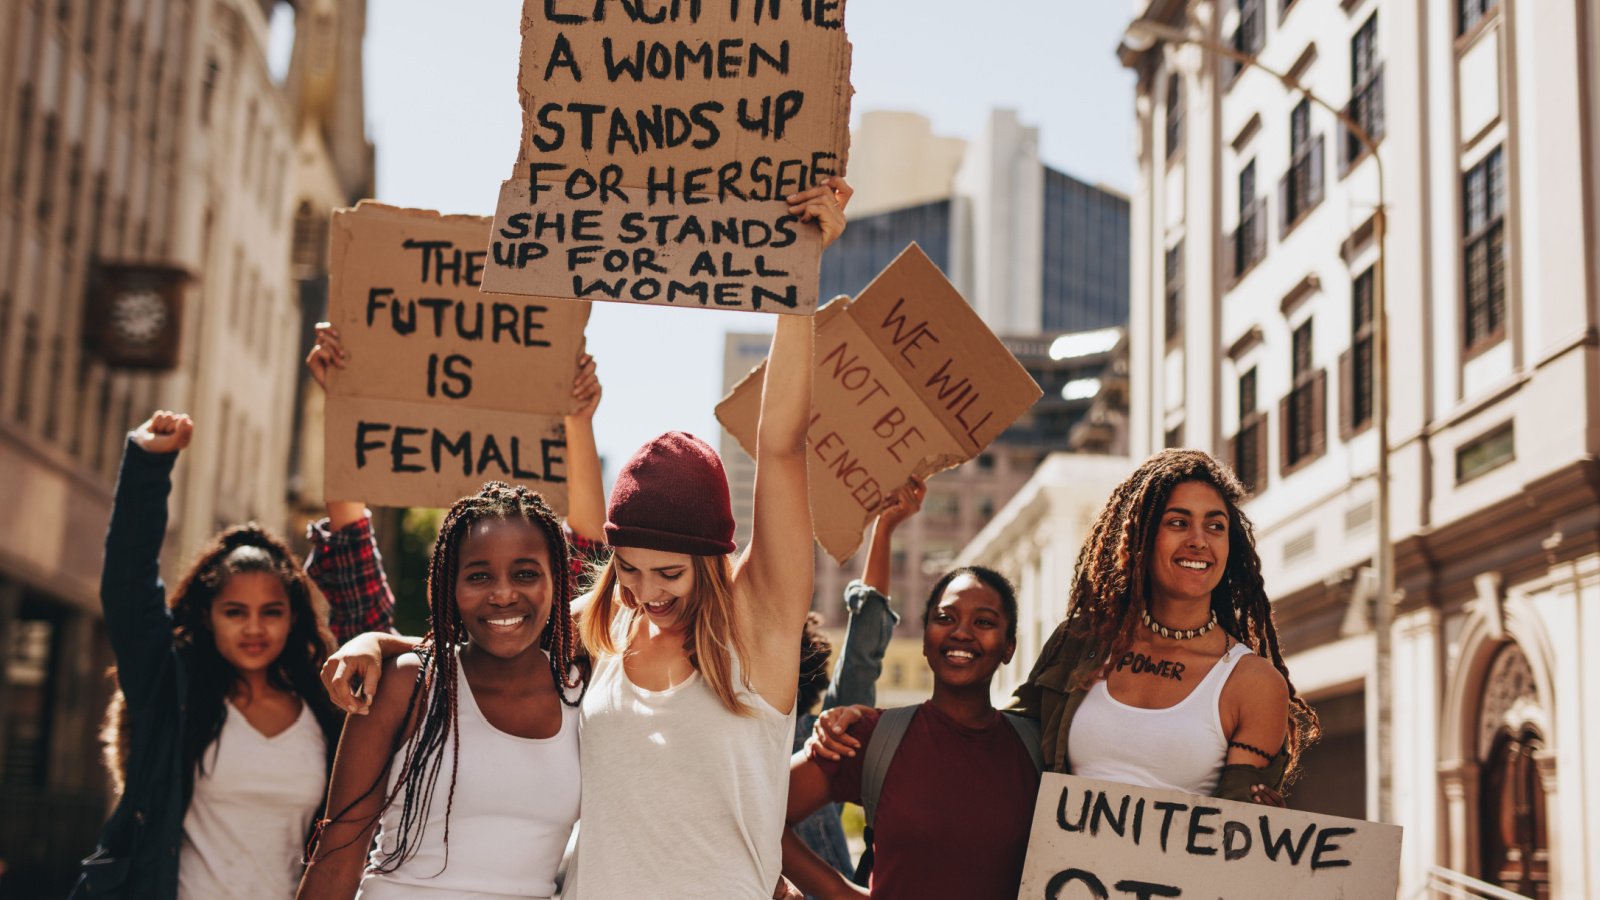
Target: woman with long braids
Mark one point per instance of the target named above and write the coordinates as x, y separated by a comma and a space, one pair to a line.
220, 736
474, 735
1167, 671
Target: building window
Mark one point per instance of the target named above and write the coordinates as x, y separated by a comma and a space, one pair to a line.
49, 158
1301, 188
1174, 436
1366, 91
1302, 437
1175, 291
1174, 114
1486, 453
69, 232
1251, 34
30, 358
1249, 240
1470, 12
1355, 364
1249, 445
310, 240
19, 155
208, 88
1484, 251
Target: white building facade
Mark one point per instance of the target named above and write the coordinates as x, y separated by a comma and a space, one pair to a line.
1251, 337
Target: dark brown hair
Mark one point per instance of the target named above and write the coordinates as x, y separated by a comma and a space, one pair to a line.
1110, 585
239, 550
815, 650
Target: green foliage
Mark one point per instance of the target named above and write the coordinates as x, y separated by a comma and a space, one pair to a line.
408, 577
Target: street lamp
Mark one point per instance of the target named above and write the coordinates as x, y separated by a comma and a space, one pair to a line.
1144, 34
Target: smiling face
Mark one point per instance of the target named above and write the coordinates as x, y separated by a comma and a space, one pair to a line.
250, 620
660, 583
1191, 547
965, 638
503, 585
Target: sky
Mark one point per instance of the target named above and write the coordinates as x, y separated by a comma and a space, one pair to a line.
442, 109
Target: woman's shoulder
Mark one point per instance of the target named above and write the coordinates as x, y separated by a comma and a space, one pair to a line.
1255, 680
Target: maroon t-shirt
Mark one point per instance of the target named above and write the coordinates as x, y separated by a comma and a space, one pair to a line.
955, 808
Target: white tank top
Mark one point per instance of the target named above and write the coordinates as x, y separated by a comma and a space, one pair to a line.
515, 801
1180, 747
244, 834
682, 799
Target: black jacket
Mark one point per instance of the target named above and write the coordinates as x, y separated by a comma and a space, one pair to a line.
137, 856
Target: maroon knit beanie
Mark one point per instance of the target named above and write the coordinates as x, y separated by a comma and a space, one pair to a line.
672, 496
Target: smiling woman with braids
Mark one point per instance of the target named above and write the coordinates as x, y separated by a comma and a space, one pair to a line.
1169, 646
489, 701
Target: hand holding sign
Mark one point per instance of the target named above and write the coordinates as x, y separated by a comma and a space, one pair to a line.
455, 386
660, 143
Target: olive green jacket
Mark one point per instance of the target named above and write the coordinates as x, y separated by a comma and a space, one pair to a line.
1047, 695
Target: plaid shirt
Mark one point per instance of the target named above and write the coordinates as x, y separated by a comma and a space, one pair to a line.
346, 567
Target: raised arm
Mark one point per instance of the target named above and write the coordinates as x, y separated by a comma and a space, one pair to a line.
131, 593
344, 562
586, 495
773, 580
872, 621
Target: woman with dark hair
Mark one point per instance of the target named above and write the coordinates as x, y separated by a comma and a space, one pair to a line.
928, 842
492, 694
220, 736
1169, 646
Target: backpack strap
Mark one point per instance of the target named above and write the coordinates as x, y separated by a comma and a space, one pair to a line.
1028, 732
886, 738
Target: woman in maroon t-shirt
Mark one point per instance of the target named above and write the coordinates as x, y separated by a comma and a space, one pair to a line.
961, 785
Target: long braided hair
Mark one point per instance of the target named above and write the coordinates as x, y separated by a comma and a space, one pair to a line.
435, 692
1110, 584
239, 550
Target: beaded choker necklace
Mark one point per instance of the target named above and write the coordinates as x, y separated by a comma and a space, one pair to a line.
1179, 634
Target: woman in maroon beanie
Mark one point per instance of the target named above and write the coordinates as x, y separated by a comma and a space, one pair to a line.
690, 712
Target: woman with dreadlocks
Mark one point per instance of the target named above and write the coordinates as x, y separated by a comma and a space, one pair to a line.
220, 736
1168, 648
475, 734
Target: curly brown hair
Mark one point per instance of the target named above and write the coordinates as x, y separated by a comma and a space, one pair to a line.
1110, 584
239, 550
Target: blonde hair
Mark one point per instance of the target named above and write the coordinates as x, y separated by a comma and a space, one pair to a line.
713, 640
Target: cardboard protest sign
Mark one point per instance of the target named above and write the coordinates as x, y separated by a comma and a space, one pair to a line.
658, 142
909, 381
1101, 840
447, 387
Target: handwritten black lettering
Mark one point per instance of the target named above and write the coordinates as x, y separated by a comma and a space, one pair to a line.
1284, 842
1325, 844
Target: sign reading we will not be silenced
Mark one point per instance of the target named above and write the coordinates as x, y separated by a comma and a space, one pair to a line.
447, 387
660, 138
909, 381
1098, 840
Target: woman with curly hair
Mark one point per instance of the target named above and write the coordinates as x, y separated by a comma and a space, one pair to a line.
1167, 672
491, 694
220, 736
